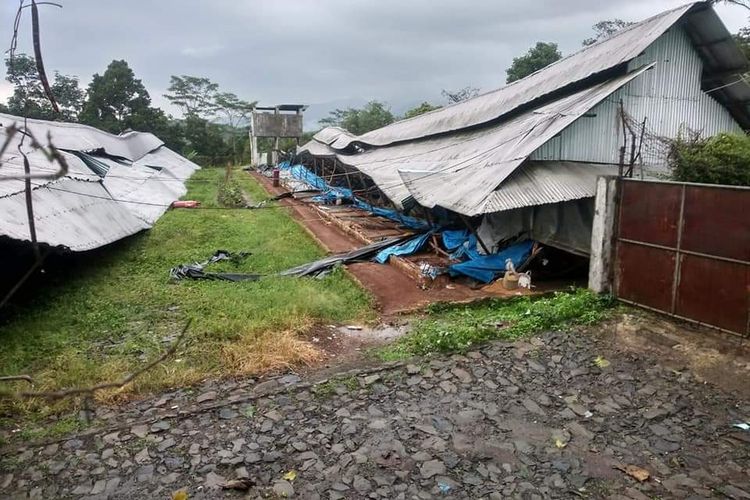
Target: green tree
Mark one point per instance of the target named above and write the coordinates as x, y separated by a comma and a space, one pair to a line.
237, 114
605, 29
28, 98
69, 96
117, 101
541, 55
423, 108
195, 96
205, 141
373, 115
454, 96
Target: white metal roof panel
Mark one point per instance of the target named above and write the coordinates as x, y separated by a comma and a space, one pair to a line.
69, 213
84, 210
77, 137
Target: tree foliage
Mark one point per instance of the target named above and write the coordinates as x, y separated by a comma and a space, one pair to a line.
195, 96
541, 55
605, 29
236, 112
742, 39
117, 101
454, 96
423, 108
373, 115
721, 159
28, 96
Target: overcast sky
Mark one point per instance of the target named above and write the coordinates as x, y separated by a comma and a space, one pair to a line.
325, 52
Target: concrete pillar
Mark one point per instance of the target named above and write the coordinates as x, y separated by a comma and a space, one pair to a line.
601, 266
254, 154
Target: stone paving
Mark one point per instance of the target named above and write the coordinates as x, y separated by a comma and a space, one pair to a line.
559, 416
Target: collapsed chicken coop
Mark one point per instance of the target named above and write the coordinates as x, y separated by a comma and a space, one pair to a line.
511, 174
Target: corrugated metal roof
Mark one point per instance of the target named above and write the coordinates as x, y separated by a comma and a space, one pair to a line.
460, 171
77, 137
599, 57
465, 185
541, 183
85, 209
455, 157
69, 213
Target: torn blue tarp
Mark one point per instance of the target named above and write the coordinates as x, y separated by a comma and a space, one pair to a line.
461, 243
406, 248
331, 193
486, 268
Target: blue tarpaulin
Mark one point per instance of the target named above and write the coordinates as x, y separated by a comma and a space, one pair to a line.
461, 243
406, 248
486, 268
330, 194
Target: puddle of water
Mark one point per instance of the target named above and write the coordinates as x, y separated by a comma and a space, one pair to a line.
378, 333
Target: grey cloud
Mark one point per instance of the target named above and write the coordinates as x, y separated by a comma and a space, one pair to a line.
323, 51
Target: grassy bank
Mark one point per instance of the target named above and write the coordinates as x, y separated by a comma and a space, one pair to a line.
116, 308
458, 328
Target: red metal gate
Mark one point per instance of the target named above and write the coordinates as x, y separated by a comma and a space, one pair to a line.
684, 249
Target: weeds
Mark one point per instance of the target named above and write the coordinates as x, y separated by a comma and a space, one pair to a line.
457, 328
230, 194
62, 427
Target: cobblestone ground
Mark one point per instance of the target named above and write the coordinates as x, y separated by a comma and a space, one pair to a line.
536, 419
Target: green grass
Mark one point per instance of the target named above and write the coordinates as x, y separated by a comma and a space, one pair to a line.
117, 308
457, 328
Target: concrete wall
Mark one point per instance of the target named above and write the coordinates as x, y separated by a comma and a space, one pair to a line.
276, 125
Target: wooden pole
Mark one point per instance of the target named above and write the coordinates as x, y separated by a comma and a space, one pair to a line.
473, 231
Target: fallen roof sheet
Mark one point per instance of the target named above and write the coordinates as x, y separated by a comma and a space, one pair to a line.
77, 137
115, 186
458, 157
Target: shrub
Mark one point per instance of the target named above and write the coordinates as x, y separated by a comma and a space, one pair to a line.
229, 193
721, 159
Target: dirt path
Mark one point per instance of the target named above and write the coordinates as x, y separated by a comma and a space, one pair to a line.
393, 290
536, 419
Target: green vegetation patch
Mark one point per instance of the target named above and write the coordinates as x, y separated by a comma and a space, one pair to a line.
457, 328
115, 309
721, 159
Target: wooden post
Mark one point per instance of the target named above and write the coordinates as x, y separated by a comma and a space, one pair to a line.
473, 231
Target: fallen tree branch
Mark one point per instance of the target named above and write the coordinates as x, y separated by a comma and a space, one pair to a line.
88, 392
